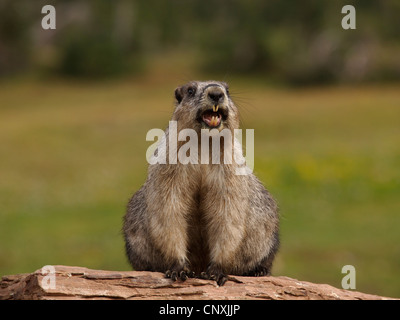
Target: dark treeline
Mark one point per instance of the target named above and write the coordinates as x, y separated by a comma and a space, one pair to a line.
292, 41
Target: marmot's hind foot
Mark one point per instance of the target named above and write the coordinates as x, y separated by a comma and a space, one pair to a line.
214, 273
179, 272
259, 271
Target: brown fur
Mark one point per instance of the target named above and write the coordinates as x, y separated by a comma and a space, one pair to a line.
201, 219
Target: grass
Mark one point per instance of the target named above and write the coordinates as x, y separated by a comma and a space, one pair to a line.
71, 155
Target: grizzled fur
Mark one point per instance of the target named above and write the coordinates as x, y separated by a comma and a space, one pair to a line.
202, 219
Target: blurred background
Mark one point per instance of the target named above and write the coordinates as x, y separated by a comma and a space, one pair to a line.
76, 104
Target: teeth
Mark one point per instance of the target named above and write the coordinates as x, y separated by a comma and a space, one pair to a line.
215, 108
214, 121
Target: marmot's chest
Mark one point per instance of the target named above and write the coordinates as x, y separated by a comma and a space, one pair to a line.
206, 175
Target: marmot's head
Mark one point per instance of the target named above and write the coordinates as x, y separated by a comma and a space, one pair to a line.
205, 105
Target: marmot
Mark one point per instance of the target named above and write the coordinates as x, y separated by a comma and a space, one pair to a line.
202, 220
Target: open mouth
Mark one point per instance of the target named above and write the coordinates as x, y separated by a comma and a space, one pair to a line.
212, 117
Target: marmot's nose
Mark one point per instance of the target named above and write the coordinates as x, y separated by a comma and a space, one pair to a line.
216, 95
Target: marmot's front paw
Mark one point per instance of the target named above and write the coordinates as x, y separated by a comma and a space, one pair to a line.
215, 273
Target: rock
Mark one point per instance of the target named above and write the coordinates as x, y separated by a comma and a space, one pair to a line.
82, 283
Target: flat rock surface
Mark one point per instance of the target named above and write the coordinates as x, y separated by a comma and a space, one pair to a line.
81, 283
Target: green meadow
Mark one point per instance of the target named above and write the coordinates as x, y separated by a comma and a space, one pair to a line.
72, 154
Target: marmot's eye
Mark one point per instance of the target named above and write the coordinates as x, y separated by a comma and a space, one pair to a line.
226, 88
191, 91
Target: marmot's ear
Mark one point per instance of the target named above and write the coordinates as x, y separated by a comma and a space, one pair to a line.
178, 94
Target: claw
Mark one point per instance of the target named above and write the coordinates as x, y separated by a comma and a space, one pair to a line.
216, 275
174, 275
221, 280
183, 276
179, 272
